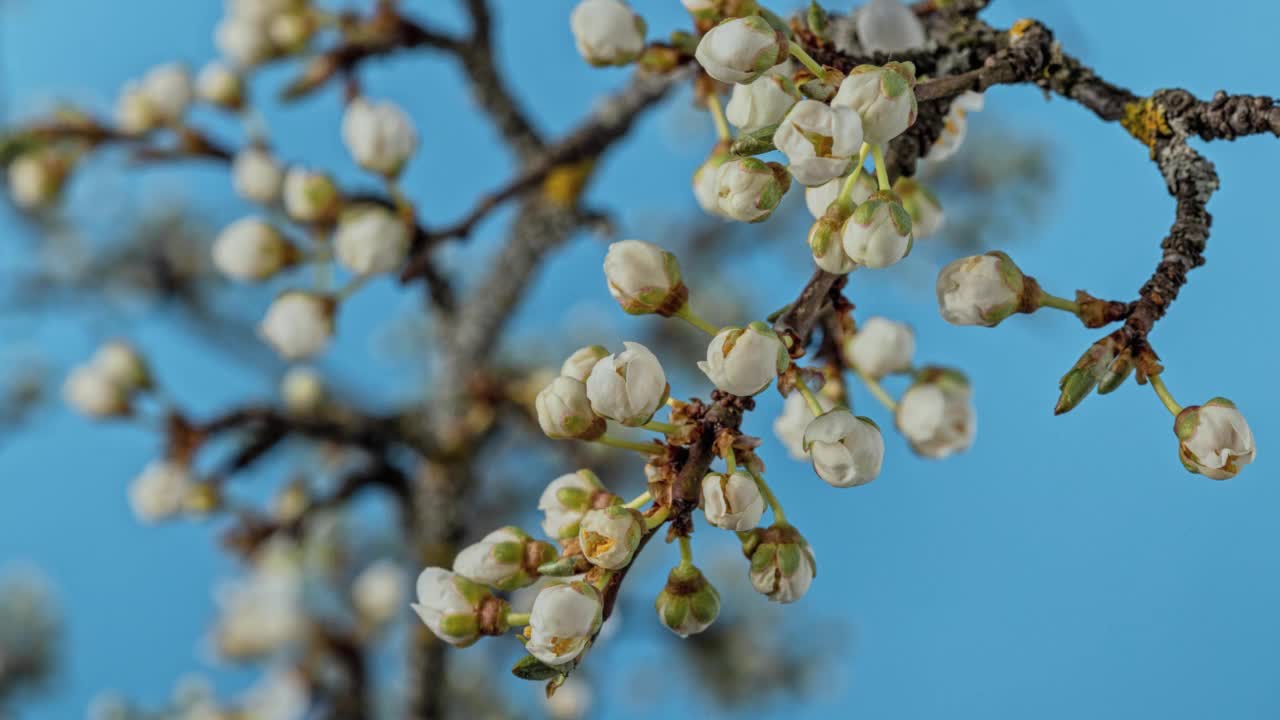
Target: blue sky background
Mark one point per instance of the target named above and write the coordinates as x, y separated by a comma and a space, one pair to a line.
1064, 567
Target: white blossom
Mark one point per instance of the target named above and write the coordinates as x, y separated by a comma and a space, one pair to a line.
121, 363
1213, 439
36, 178
578, 365
380, 136
135, 113
607, 32
565, 500
936, 414
846, 450
564, 411
449, 605
95, 395
627, 387
377, 593
819, 141
256, 175
291, 31
790, 424
884, 98
610, 535
298, 324
980, 290
563, 619
880, 347
743, 361
742, 49
644, 278
371, 240
732, 501
303, 390
310, 197
261, 613
762, 102
219, 85
706, 182
878, 234
782, 565
955, 126
819, 197
169, 89
251, 249
243, 40
160, 491
922, 205
506, 559
888, 26
749, 189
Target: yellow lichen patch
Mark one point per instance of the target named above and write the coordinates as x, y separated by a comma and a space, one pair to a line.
564, 184
1020, 28
1144, 119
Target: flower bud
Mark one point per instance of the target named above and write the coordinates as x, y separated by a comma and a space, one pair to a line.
742, 49
782, 564
628, 387
743, 361
121, 363
732, 501
290, 32
936, 413
847, 451
578, 365
303, 390
90, 392
706, 181
311, 197
688, 604
160, 491
219, 85
256, 176
926, 213
457, 610
819, 141
879, 232
506, 559
243, 40
298, 324
825, 242
607, 32
379, 136
610, 535
564, 411
252, 250
888, 26
883, 96
371, 240
563, 621
763, 102
819, 198
1084, 376
790, 424
955, 127
644, 278
980, 290
377, 593
880, 347
565, 500
135, 115
1213, 439
168, 91
36, 178
750, 189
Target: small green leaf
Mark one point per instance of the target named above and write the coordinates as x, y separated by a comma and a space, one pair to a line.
531, 668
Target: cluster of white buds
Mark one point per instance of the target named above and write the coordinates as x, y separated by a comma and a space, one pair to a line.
1213, 439
160, 492
380, 136
936, 413
762, 102
220, 85
106, 385
955, 126
299, 323
371, 240
607, 32
253, 250
819, 141
888, 26
980, 290
254, 31
744, 361
159, 99
742, 49
36, 177
257, 176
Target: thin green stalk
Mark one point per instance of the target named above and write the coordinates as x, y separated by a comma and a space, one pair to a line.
352, 287
517, 619
686, 314
810, 399
640, 500
717, 115
877, 389
845, 198
882, 171
798, 53
1166, 397
730, 461
656, 519
1059, 303
640, 447
779, 517
662, 427
686, 551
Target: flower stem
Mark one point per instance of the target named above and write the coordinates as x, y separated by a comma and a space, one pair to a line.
662, 427
686, 314
779, 517
730, 461
877, 389
517, 619
845, 198
686, 551
1059, 303
640, 500
717, 115
798, 53
647, 448
1157, 384
882, 171
656, 519
352, 287
810, 399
